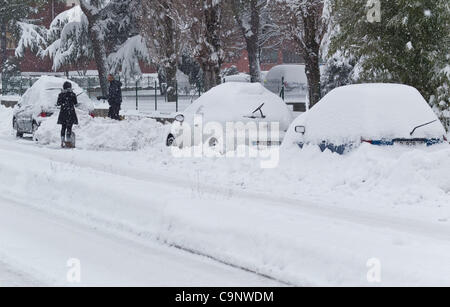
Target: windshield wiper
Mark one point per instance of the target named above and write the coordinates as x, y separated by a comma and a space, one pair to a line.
414, 130
258, 109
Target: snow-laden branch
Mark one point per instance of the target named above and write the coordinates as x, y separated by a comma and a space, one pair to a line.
126, 58
32, 37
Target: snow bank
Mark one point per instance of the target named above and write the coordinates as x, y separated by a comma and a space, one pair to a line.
6, 115
367, 111
105, 134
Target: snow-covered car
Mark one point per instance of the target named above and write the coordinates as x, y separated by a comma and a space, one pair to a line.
295, 81
39, 103
239, 104
378, 114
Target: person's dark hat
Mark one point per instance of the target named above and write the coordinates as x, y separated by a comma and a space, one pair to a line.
67, 85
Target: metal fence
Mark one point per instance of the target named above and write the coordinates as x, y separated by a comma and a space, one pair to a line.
145, 94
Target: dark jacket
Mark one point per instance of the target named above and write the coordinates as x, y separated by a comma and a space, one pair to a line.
115, 93
67, 100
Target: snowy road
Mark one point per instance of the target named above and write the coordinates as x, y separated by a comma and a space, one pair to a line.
40, 244
120, 221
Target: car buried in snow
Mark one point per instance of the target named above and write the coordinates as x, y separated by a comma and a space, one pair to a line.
223, 117
377, 114
39, 103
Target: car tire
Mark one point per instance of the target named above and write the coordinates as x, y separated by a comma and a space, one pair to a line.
213, 142
15, 127
170, 140
34, 128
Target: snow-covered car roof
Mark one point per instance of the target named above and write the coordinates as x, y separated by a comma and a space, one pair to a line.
241, 77
233, 102
367, 111
292, 73
43, 95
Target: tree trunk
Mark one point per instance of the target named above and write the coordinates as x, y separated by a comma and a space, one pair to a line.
171, 75
313, 75
100, 59
98, 46
4, 55
253, 59
3, 42
213, 53
252, 40
211, 76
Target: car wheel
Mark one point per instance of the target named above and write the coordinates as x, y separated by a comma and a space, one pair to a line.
170, 141
15, 127
213, 142
34, 129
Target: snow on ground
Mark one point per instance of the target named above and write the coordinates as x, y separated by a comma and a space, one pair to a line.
6, 120
316, 219
105, 134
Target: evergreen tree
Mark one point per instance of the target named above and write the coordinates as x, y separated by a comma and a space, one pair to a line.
409, 44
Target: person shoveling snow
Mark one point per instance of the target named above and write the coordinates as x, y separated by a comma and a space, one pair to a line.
114, 97
67, 100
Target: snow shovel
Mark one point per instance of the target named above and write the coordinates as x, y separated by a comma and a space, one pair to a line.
70, 142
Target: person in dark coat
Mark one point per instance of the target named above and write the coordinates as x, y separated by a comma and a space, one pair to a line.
114, 97
67, 100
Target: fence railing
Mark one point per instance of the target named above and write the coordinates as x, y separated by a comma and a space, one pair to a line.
145, 94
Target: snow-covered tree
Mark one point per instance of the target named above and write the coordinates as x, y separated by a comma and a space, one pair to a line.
305, 23
94, 12
104, 31
408, 44
68, 42
162, 27
16, 19
126, 45
248, 16
212, 36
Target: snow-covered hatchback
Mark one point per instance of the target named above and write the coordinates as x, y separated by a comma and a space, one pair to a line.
249, 104
378, 114
39, 103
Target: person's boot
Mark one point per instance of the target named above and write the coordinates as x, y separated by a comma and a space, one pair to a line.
63, 142
69, 141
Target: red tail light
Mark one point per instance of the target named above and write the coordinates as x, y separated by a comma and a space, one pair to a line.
445, 138
367, 141
43, 114
92, 114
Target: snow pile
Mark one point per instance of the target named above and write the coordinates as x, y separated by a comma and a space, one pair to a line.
105, 134
370, 176
367, 111
6, 115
